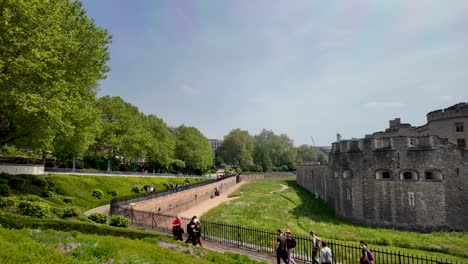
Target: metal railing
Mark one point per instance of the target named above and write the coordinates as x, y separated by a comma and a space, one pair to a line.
261, 240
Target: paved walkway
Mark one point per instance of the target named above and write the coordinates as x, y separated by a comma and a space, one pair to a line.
104, 209
207, 205
283, 187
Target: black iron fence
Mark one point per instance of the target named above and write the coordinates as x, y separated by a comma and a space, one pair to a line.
261, 240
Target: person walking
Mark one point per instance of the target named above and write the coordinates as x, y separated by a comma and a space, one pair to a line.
315, 246
190, 227
291, 244
367, 256
176, 226
197, 235
326, 256
281, 250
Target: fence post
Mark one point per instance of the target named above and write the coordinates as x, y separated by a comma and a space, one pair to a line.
238, 236
399, 257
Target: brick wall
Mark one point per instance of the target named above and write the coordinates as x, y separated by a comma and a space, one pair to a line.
182, 200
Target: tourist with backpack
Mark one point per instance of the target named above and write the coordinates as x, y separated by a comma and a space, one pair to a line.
326, 256
190, 227
367, 256
291, 244
315, 246
281, 248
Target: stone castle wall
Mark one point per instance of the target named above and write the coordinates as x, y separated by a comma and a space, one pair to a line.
418, 183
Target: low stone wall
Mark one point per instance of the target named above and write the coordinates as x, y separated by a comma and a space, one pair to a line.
263, 176
175, 203
15, 169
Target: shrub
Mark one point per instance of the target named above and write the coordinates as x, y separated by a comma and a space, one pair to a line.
47, 193
31, 198
68, 200
98, 218
41, 182
16, 183
8, 201
118, 221
4, 190
3, 181
113, 193
136, 189
34, 209
70, 212
98, 194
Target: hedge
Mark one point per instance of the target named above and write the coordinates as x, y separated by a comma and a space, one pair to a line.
8, 220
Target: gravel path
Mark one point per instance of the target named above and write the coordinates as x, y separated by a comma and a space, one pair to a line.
283, 187
205, 206
101, 209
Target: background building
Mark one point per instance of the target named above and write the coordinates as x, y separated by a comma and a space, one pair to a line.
215, 143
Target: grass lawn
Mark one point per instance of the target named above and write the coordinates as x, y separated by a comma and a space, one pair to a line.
49, 246
78, 189
262, 205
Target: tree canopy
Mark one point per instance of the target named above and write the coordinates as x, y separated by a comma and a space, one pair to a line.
237, 148
51, 59
193, 148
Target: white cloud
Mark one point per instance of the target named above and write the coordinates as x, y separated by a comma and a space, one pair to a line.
189, 90
384, 105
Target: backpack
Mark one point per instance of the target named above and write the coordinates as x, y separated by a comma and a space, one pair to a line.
292, 243
370, 256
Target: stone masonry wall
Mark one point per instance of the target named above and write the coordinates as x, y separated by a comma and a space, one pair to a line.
262, 176
15, 169
182, 200
353, 184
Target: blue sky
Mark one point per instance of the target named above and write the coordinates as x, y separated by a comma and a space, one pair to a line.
304, 68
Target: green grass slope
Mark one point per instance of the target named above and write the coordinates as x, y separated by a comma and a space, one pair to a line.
49, 246
262, 205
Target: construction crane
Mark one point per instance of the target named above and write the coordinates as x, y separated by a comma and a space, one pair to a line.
313, 142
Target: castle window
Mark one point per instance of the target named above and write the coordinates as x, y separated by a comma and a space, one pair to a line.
347, 174
433, 175
409, 176
461, 143
411, 198
383, 175
459, 127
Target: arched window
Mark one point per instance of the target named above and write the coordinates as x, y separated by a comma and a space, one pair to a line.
347, 174
409, 175
383, 175
433, 175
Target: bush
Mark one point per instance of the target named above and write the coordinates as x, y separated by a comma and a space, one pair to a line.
4, 190
98, 218
118, 221
98, 194
68, 200
16, 183
3, 181
113, 193
47, 193
70, 212
8, 201
41, 182
136, 189
34, 209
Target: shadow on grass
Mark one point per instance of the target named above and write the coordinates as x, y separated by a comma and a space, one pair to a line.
310, 207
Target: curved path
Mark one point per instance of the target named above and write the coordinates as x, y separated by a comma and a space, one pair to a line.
205, 206
283, 187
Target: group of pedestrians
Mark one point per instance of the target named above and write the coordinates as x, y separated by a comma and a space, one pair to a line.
285, 245
193, 231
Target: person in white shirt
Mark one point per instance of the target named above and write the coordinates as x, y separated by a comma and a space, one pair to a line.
325, 254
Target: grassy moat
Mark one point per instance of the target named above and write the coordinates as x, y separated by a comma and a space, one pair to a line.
262, 204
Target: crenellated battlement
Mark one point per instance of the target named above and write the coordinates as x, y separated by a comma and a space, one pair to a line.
458, 110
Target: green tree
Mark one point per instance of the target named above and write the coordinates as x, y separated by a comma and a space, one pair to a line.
237, 148
51, 59
162, 143
322, 158
274, 152
193, 148
305, 153
126, 131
